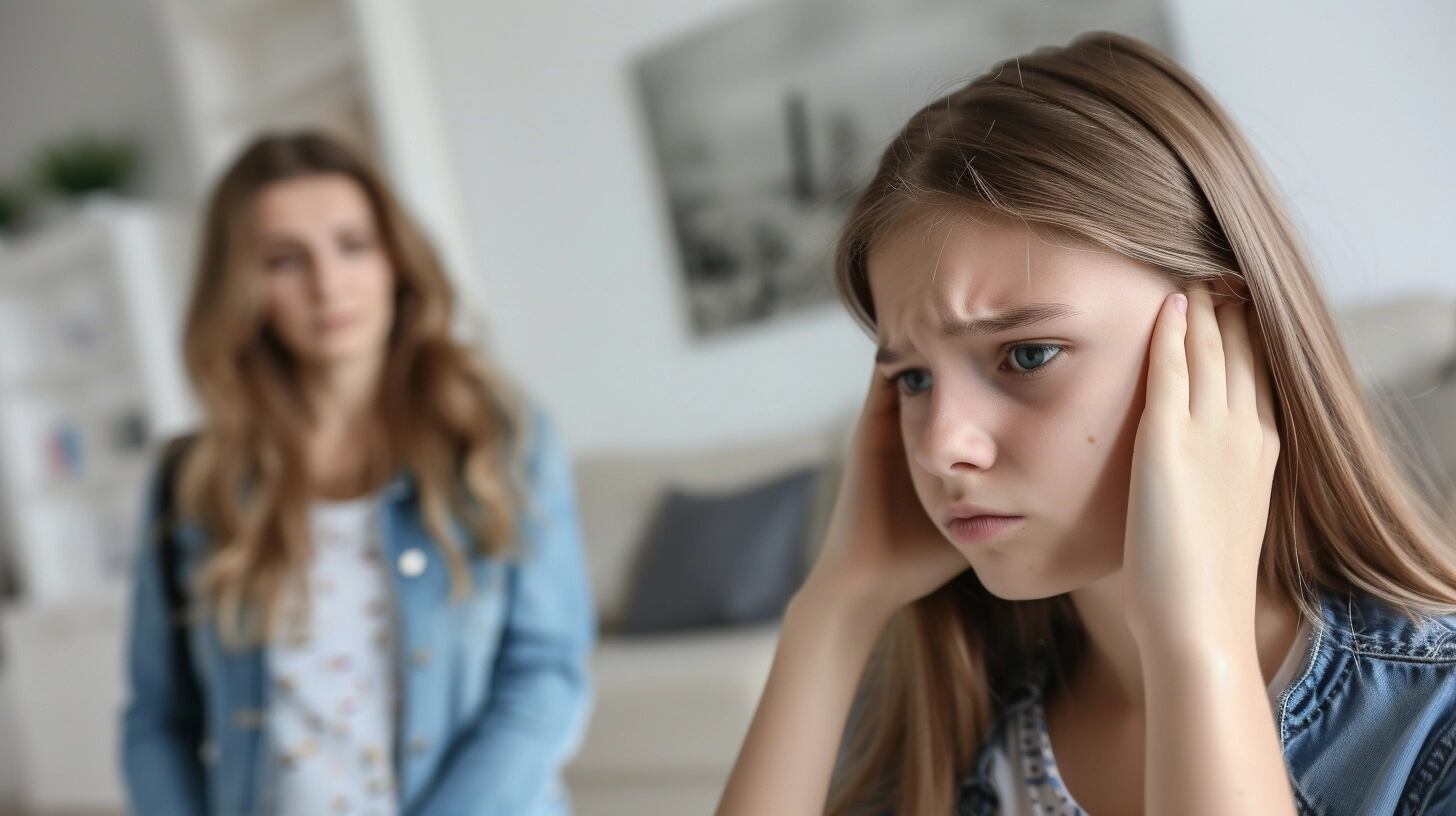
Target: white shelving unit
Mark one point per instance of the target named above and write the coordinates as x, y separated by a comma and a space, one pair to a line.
90, 378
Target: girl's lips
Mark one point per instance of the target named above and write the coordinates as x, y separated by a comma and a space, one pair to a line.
976, 529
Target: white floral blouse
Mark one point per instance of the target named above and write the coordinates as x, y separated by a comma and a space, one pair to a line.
332, 701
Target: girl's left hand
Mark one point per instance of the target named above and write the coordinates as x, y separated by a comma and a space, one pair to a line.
1203, 466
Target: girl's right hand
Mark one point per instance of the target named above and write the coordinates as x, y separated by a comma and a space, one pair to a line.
881, 551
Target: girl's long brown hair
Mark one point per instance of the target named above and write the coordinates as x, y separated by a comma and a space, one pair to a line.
445, 419
1109, 141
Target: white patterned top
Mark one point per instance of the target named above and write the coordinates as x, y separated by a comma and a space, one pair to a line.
332, 701
1031, 785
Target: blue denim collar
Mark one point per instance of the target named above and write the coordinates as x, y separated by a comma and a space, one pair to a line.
1353, 620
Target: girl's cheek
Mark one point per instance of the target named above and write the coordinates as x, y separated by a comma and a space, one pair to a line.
910, 424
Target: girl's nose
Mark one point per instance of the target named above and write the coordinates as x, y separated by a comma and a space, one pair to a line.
956, 435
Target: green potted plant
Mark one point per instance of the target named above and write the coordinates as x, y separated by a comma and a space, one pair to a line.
86, 164
12, 209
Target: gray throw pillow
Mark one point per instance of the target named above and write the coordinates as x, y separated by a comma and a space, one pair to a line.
723, 559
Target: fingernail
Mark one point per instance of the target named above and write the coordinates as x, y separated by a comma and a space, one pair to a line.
1180, 302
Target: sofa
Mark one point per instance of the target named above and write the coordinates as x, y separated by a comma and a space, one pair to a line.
673, 708
1404, 352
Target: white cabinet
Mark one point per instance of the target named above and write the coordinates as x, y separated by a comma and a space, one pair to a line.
66, 688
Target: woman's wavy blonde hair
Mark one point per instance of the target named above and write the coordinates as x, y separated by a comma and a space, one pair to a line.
1108, 140
445, 419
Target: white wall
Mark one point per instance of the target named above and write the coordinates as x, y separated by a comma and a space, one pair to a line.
78, 64
580, 280
1353, 107
1350, 103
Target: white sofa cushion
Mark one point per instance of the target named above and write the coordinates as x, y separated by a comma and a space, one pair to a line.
673, 705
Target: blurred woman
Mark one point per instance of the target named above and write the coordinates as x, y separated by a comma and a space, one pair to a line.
361, 589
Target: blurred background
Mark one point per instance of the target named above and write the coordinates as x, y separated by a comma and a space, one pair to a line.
635, 202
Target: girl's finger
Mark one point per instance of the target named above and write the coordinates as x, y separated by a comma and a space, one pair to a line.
878, 422
1238, 355
1167, 361
1207, 382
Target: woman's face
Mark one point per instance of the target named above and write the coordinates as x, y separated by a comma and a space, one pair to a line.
1034, 420
328, 285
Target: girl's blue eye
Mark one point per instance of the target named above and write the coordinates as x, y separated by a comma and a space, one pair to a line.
1027, 360
913, 381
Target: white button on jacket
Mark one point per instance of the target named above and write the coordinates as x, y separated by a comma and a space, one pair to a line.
412, 562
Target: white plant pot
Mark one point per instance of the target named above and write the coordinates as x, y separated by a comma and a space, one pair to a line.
98, 203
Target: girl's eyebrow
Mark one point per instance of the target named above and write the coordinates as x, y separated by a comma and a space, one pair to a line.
1014, 317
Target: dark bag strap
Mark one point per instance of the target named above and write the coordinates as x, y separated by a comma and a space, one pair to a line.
166, 526
187, 692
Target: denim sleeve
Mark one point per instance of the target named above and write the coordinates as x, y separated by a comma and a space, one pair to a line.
509, 761
162, 724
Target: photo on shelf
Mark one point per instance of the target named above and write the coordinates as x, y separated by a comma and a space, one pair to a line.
65, 453
85, 319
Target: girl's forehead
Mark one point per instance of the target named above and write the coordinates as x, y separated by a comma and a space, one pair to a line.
961, 264
969, 277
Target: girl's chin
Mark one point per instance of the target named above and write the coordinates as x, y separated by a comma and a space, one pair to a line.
1020, 592
1010, 581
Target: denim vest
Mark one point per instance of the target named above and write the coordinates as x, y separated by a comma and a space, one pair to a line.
1368, 723
494, 690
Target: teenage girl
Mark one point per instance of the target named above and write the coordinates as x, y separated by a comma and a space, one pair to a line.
1116, 512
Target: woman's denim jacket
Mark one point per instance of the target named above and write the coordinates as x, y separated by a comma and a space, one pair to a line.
494, 690
1368, 723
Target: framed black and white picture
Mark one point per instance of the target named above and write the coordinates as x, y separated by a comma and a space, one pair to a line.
765, 125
